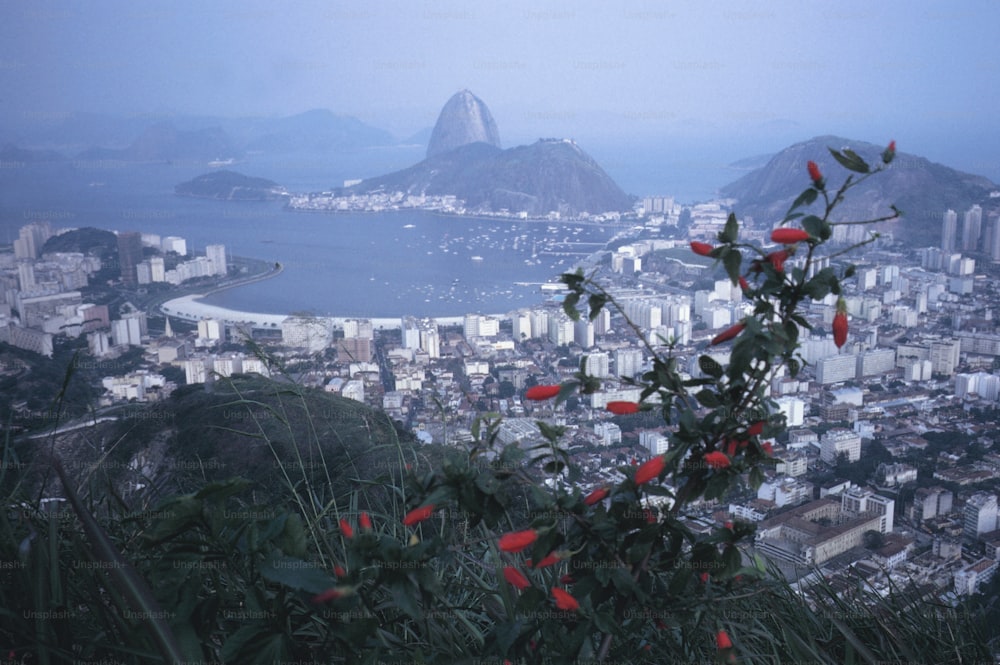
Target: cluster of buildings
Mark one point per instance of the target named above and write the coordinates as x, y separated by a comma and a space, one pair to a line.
137, 271
383, 201
920, 361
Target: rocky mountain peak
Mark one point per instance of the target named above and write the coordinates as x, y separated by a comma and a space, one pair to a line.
464, 119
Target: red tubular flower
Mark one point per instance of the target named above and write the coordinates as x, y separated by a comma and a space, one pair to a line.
346, 529
622, 408
649, 515
815, 174
564, 600
418, 515
777, 259
744, 284
600, 494
331, 594
540, 393
722, 640
840, 329
889, 153
731, 447
789, 236
365, 521
767, 448
717, 460
704, 578
701, 248
756, 429
517, 540
728, 333
650, 469
566, 579
550, 559
516, 578
339, 571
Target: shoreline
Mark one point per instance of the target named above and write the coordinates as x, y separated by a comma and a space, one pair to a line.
189, 308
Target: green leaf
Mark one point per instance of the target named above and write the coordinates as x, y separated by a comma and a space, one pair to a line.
569, 306
732, 261
596, 301
708, 398
850, 160
710, 366
553, 467
813, 225
297, 574
404, 596
730, 233
805, 198
550, 432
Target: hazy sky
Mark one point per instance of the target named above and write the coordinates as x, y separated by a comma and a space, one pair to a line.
925, 73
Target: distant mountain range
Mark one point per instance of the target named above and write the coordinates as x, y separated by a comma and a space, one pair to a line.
464, 159
923, 190
165, 142
196, 138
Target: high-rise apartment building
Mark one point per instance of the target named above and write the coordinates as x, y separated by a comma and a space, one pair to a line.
837, 441
598, 364
217, 255
979, 515
972, 226
949, 232
129, 256
628, 363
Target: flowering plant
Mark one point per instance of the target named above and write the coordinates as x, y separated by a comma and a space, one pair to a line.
616, 571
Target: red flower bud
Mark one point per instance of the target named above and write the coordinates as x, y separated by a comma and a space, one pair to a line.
789, 236
756, 429
650, 469
365, 521
597, 495
418, 515
622, 408
517, 540
777, 259
704, 578
717, 460
649, 515
346, 529
549, 559
889, 153
744, 284
564, 600
332, 594
767, 448
840, 329
722, 640
701, 248
728, 333
539, 393
815, 174
731, 447
516, 578
566, 579
339, 571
